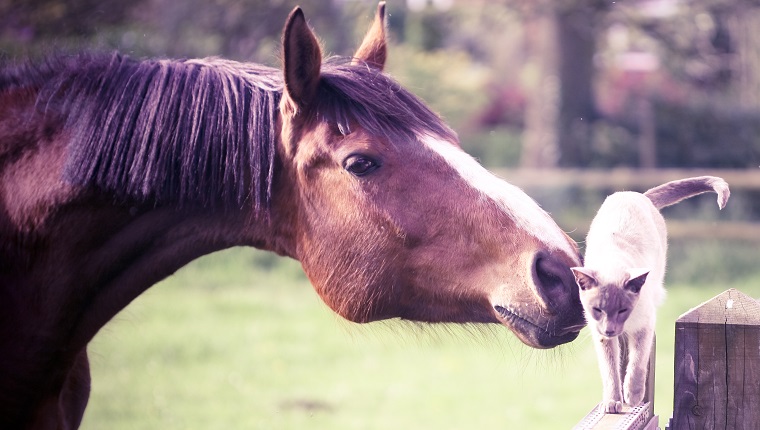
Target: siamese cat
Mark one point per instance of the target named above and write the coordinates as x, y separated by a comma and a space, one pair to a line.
621, 282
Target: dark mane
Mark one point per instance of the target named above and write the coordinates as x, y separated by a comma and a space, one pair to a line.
199, 131
376, 102
173, 131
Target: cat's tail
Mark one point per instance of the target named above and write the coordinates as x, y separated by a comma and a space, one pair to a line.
673, 192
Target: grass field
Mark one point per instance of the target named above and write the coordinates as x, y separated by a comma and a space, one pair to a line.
229, 344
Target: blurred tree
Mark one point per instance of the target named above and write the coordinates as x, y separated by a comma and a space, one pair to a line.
540, 136
544, 69
579, 24
26, 22
427, 29
45, 18
702, 85
560, 112
237, 29
743, 24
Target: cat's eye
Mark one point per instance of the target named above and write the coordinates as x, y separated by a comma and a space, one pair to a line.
622, 311
596, 313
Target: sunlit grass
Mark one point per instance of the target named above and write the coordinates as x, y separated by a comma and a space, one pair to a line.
225, 344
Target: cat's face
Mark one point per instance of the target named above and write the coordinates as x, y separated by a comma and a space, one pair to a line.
607, 308
608, 305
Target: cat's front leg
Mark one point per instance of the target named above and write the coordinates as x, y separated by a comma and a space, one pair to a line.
639, 348
608, 355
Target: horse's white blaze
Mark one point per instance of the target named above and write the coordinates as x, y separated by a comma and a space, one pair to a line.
523, 210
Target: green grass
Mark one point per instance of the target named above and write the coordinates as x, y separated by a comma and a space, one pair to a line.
240, 341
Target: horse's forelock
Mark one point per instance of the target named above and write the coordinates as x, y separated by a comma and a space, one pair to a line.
376, 102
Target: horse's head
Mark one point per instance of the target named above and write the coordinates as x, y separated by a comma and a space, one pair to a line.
390, 218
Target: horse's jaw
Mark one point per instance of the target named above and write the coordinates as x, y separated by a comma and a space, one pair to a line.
533, 335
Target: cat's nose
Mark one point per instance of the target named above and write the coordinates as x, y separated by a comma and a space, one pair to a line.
609, 333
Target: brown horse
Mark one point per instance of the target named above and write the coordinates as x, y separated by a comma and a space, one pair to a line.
114, 173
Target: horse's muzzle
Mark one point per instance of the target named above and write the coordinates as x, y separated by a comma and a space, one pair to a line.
558, 317
535, 335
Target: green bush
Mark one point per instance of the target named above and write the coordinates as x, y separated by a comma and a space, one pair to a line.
498, 147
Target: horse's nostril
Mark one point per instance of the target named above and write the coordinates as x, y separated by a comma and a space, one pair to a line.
554, 281
550, 273
557, 291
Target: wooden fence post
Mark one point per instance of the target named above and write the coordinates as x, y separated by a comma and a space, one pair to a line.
717, 365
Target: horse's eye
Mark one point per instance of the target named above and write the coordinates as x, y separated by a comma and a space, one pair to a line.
360, 165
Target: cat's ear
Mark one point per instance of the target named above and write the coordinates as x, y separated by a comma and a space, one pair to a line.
637, 279
585, 278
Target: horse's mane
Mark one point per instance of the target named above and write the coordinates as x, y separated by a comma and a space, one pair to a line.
199, 131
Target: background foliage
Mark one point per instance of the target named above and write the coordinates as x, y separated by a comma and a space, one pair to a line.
589, 68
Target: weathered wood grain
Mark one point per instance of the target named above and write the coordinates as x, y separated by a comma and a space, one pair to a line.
717, 365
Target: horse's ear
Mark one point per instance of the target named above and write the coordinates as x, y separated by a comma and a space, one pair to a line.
374, 49
585, 278
302, 59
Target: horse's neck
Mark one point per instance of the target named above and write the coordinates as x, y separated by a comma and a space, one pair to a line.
93, 258
79, 248
71, 258
81, 260
86, 262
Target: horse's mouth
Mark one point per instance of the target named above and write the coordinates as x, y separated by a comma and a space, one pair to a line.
535, 335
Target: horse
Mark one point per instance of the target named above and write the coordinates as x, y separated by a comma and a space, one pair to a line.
115, 172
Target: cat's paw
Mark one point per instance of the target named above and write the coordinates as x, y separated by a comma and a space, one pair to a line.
613, 406
633, 395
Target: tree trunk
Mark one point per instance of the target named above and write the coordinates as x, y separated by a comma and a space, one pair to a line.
576, 41
746, 63
560, 108
539, 145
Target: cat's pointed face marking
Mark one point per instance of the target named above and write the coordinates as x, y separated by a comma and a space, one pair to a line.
608, 305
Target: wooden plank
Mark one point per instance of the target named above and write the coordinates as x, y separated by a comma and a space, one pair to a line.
750, 403
717, 365
621, 178
685, 374
653, 424
591, 419
711, 230
743, 377
735, 346
638, 418
649, 392
711, 377
640, 180
704, 230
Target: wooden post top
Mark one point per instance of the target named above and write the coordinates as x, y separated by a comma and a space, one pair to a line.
731, 307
